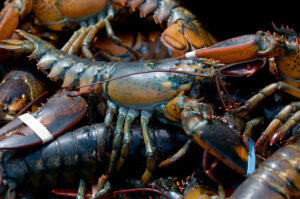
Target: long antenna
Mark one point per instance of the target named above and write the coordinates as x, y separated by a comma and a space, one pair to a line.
143, 72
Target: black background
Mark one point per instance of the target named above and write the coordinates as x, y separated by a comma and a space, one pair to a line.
225, 19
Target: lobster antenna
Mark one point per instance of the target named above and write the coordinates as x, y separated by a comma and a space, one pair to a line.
143, 72
227, 93
220, 94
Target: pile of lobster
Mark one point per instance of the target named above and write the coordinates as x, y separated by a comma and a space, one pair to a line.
162, 110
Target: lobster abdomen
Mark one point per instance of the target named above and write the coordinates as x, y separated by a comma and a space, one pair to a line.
277, 177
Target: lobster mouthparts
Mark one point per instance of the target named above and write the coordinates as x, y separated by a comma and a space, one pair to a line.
241, 69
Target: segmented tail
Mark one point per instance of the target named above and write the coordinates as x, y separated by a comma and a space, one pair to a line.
72, 69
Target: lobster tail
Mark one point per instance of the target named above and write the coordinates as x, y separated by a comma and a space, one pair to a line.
61, 65
277, 177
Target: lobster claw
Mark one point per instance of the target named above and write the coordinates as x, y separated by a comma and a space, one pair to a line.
218, 139
57, 115
244, 50
183, 35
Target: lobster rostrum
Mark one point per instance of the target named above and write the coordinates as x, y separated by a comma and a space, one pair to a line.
17, 89
136, 95
80, 154
184, 30
283, 54
57, 115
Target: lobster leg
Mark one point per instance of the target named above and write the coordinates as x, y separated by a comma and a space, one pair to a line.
265, 92
103, 187
127, 140
150, 152
84, 37
279, 134
277, 121
249, 130
75, 35
89, 39
177, 155
115, 39
78, 42
111, 111
209, 168
117, 141
81, 190
16, 45
11, 193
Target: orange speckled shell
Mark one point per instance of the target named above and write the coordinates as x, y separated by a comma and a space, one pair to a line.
79, 8
51, 11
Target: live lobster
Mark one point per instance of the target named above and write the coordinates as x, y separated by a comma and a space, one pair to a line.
159, 93
80, 154
282, 50
184, 30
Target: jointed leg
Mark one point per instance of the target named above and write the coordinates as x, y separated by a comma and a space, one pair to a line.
127, 140
110, 112
89, 39
150, 151
280, 133
117, 140
75, 47
274, 125
103, 187
115, 39
249, 130
265, 92
75, 35
81, 190
182, 151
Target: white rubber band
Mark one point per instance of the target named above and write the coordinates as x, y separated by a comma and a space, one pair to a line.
38, 128
190, 54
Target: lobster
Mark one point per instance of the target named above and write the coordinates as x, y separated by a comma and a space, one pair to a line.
80, 154
18, 88
184, 30
283, 55
277, 177
57, 115
142, 95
